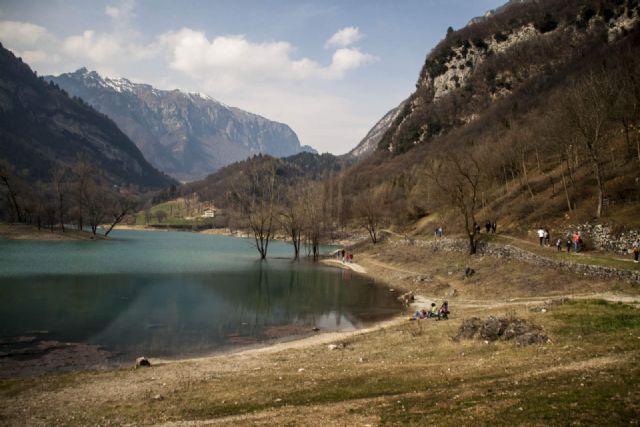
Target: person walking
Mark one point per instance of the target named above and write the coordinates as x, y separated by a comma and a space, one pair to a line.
576, 241
636, 251
547, 237
494, 227
440, 231
541, 235
559, 244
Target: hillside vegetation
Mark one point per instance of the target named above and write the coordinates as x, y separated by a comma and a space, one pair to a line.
530, 116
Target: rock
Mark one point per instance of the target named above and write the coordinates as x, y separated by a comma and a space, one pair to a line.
468, 272
332, 346
142, 361
407, 298
492, 329
157, 397
301, 370
315, 329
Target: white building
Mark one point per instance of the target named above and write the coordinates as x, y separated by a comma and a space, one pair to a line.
209, 213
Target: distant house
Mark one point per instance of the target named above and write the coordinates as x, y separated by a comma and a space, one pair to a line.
209, 213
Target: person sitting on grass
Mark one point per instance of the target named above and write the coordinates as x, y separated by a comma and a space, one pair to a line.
434, 310
444, 311
420, 314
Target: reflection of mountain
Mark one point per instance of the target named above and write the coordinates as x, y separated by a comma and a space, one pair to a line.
71, 308
173, 314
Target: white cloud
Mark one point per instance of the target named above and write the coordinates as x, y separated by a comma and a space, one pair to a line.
344, 37
228, 62
106, 49
22, 34
348, 59
123, 11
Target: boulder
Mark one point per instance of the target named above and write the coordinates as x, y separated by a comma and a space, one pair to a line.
506, 329
142, 362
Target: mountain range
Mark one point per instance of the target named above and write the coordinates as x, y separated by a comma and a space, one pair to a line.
41, 127
186, 135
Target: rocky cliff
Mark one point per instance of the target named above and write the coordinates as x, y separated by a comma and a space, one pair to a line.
370, 142
517, 44
186, 135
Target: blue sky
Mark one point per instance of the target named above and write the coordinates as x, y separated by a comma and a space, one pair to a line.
329, 69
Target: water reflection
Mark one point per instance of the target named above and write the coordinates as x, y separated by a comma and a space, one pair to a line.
181, 314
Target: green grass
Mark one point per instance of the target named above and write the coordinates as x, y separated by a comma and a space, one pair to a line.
595, 317
603, 260
171, 208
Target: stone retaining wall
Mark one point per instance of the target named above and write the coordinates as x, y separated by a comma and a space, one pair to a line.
513, 252
603, 238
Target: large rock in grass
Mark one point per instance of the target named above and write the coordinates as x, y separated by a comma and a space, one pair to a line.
505, 329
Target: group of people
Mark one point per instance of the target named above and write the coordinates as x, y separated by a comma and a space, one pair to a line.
441, 313
346, 258
489, 226
438, 231
572, 240
544, 236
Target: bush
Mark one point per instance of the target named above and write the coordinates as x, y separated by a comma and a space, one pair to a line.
546, 25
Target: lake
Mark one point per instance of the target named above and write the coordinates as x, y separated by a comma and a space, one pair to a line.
169, 295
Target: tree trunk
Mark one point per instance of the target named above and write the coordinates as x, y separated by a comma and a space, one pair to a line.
472, 243
566, 192
13, 198
116, 221
61, 211
526, 178
600, 182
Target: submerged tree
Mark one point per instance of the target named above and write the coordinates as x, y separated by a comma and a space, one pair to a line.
255, 199
292, 218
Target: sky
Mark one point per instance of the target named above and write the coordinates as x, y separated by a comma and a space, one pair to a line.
330, 69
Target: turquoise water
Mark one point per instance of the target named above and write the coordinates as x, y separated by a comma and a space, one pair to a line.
173, 294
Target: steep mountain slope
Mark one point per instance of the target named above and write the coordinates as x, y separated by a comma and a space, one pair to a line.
490, 59
505, 92
40, 125
187, 135
370, 142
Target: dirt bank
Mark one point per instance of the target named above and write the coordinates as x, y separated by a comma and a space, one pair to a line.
31, 232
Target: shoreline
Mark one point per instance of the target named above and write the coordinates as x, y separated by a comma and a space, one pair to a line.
11, 231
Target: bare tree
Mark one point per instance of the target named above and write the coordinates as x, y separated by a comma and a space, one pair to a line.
369, 209
459, 179
84, 172
314, 228
95, 204
588, 107
292, 218
161, 215
255, 198
9, 180
120, 206
58, 182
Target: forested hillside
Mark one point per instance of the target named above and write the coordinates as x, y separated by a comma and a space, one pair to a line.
531, 115
528, 116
